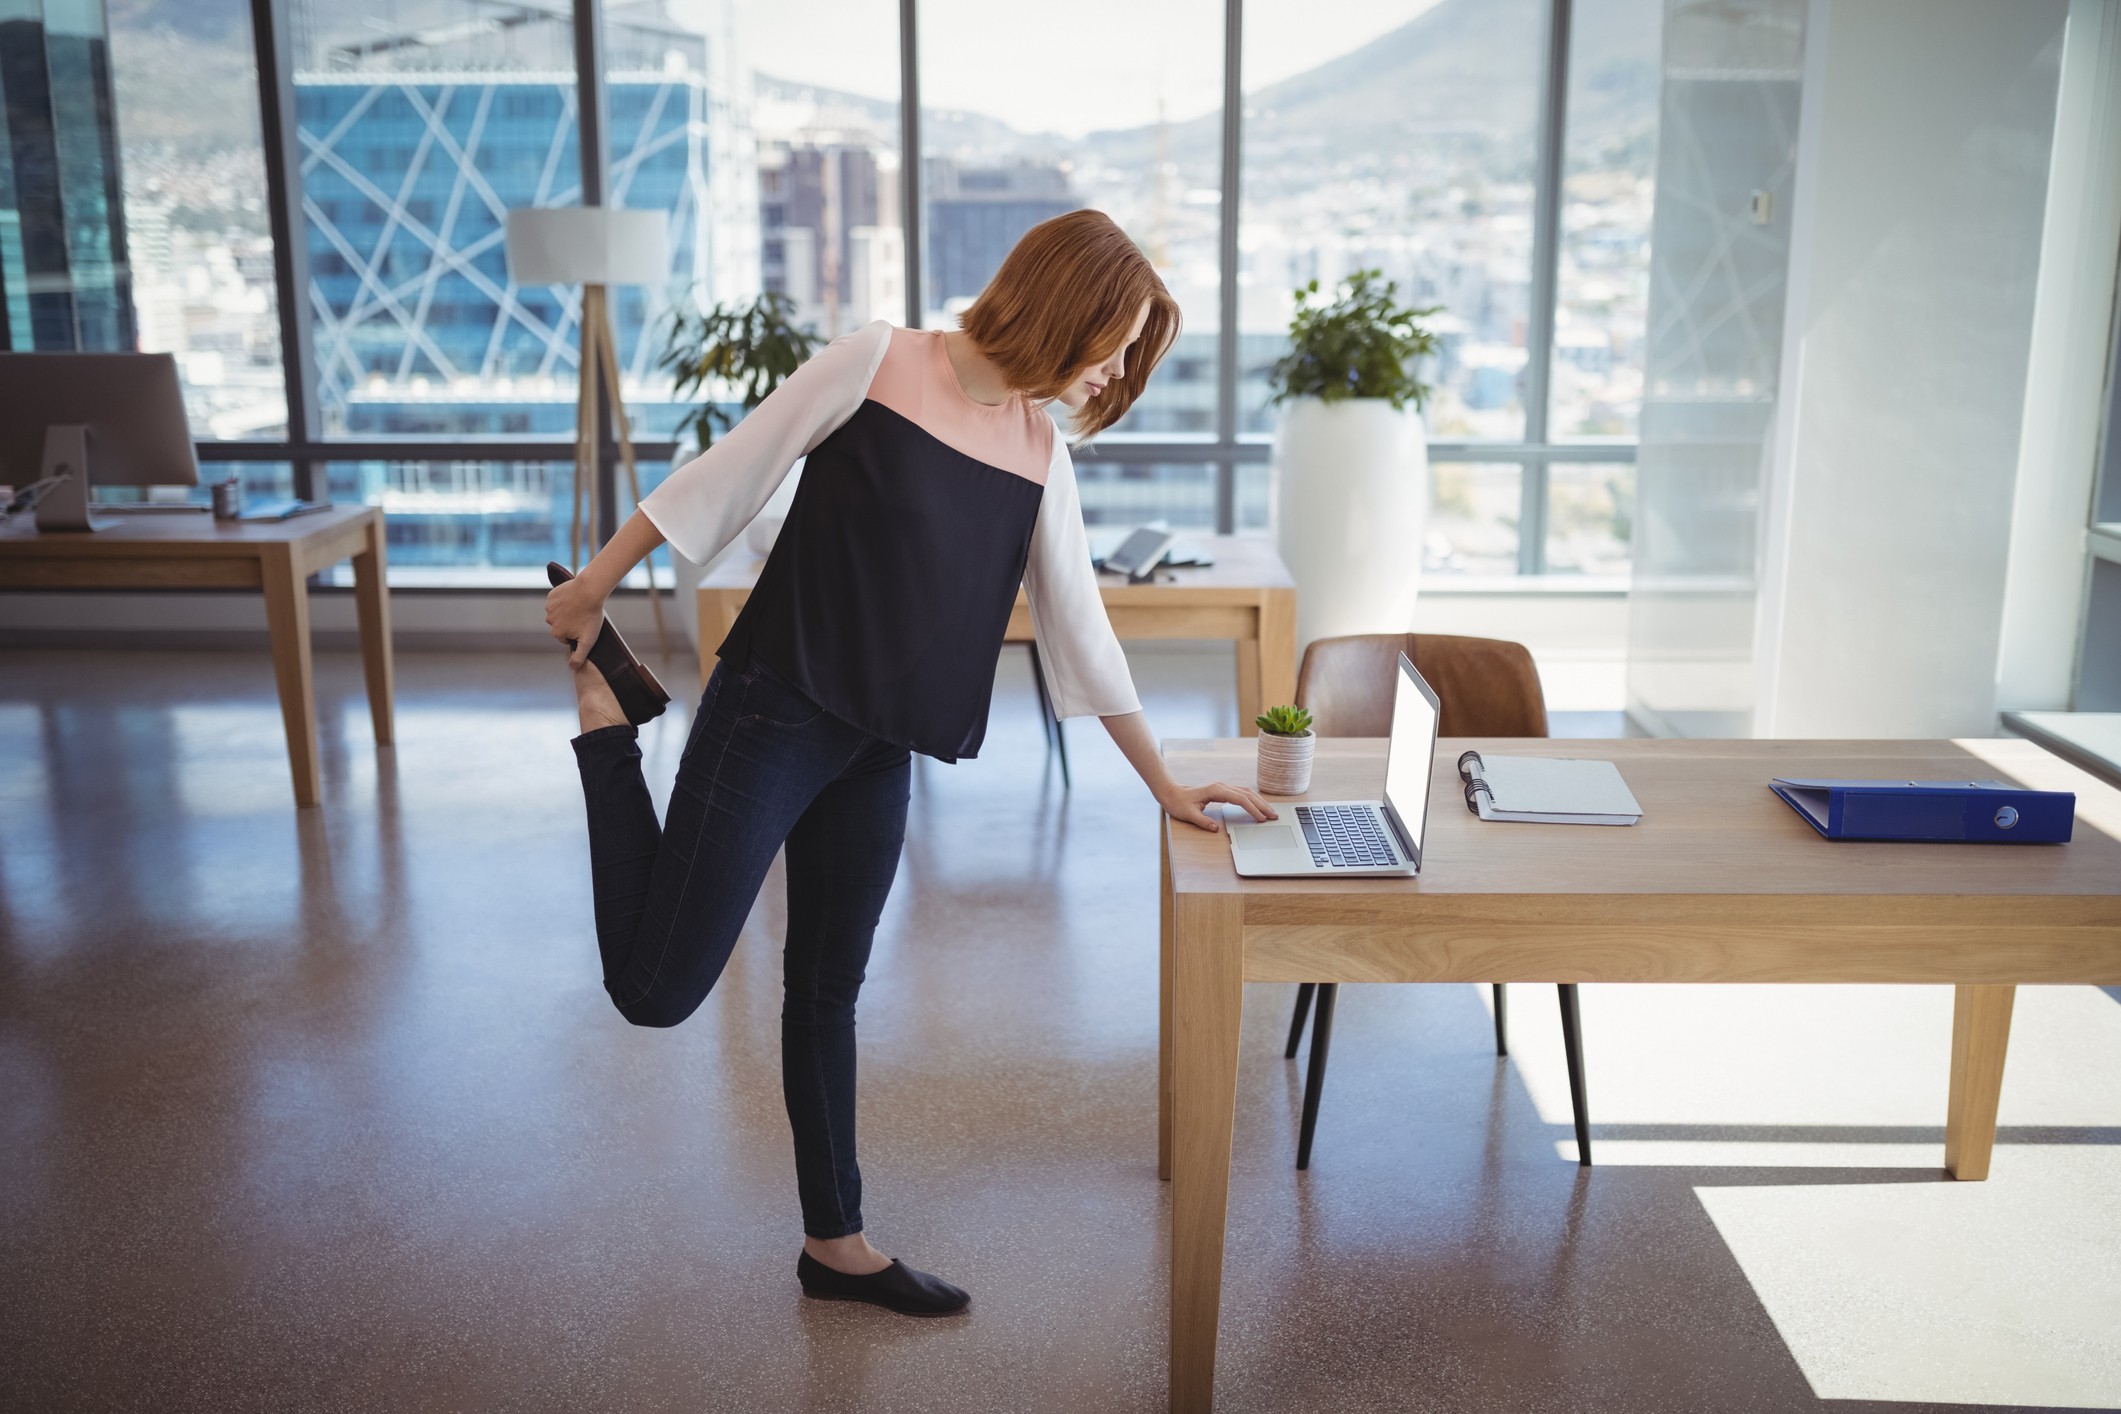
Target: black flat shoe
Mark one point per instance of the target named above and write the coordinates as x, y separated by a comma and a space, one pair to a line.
640, 696
896, 1288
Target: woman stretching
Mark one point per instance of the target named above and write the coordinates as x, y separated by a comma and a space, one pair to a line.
935, 485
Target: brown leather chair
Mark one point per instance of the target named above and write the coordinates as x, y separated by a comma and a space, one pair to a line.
1489, 688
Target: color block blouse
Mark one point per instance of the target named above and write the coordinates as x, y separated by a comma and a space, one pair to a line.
919, 513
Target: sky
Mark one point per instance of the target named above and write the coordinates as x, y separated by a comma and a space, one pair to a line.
1062, 67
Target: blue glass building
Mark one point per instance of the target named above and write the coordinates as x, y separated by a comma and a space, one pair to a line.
414, 149
64, 278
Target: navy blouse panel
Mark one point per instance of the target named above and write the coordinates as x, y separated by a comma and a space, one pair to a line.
890, 586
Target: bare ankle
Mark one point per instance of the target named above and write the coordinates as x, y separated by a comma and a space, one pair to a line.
594, 700
851, 1254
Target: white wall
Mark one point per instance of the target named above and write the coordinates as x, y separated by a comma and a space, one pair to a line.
1923, 158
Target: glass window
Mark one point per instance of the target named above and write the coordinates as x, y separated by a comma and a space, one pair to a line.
467, 520
769, 133
1118, 107
1180, 494
1399, 137
419, 130
132, 212
1608, 190
1473, 515
1590, 517
260, 481
475, 520
1255, 496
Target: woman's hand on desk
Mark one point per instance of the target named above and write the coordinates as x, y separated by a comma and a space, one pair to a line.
1189, 803
575, 610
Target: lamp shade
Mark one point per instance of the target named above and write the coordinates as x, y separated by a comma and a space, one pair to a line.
587, 245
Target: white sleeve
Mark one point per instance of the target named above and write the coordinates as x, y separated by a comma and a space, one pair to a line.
707, 502
1085, 670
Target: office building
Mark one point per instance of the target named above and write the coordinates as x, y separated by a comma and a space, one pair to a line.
420, 142
975, 214
820, 201
65, 279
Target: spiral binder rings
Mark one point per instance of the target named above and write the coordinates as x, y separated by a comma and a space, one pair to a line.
1539, 790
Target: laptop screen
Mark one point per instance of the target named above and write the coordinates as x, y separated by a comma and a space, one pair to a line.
1410, 763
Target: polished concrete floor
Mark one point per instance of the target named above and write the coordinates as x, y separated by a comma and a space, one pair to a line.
326, 1110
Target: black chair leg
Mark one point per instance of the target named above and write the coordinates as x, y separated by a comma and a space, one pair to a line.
1048, 722
1296, 1022
1045, 704
1315, 1082
1502, 1043
1572, 1042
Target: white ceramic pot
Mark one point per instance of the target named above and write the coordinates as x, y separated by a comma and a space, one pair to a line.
1351, 502
1285, 763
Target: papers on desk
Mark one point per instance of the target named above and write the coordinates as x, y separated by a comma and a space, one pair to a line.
1539, 790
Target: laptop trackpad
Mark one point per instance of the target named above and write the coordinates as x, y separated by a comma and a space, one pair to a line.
1250, 837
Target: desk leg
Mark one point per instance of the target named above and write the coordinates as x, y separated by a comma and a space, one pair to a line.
1266, 663
1163, 1004
1277, 646
1981, 1031
287, 618
1207, 1006
372, 606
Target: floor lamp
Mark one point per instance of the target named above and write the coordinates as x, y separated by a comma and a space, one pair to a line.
594, 247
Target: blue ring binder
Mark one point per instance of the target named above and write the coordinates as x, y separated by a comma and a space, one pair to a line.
1955, 812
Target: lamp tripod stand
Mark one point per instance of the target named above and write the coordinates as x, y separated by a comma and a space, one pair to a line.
600, 382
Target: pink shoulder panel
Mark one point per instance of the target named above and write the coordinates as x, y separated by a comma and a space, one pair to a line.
917, 382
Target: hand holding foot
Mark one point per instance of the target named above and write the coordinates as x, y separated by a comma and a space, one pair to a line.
575, 614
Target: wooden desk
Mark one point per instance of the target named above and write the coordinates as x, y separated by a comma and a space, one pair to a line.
156, 551
1246, 596
1721, 882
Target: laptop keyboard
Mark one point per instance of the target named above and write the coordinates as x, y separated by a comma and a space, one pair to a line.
1345, 836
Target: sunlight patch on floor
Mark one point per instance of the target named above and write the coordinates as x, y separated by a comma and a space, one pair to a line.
1954, 1292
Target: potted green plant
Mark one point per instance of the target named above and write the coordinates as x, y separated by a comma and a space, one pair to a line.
1285, 745
1350, 455
753, 346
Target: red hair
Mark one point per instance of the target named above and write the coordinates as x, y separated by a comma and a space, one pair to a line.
1063, 302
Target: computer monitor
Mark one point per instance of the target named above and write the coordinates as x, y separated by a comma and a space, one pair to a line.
112, 419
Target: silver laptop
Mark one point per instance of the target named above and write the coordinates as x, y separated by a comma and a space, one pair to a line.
1344, 837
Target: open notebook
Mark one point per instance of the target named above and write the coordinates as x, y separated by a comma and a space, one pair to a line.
1540, 790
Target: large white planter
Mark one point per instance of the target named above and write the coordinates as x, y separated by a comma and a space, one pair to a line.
1351, 503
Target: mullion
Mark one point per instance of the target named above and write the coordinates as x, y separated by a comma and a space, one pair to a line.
1545, 289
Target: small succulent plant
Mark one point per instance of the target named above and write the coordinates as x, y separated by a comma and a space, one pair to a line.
1284, 721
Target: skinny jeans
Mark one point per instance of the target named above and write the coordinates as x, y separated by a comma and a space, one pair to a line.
764, 767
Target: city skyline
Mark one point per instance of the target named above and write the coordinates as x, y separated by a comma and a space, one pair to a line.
1410, 151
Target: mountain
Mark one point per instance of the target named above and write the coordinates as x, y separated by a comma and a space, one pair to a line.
1468, 67
1462, 71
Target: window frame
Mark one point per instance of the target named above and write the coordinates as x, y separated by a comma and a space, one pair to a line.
307, 451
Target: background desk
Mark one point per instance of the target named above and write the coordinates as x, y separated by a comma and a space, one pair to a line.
157, 551
1721, 882
1246, 597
